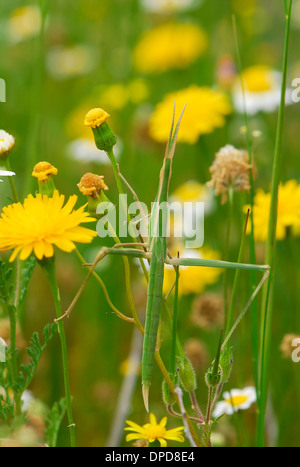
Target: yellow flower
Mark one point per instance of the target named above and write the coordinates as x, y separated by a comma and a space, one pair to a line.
193, 280
42, 222
168, 46
43, 170
95, 117
92, 185
288, 211
154, 431
258, 78
206, 110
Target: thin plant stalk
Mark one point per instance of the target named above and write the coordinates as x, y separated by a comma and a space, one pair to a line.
13, 355
230, 316
267, 311
253, 275
48, 266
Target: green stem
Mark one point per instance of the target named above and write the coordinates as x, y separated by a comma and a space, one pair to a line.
48, 266
118, 179
227, 247
230, 316
12, 182
13, 355
127, 270
253, 275
271, 243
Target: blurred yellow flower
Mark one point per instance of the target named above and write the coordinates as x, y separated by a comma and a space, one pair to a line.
288, 211
169, 46
191, 191
154, 431
24, 22
193, 280
206, 110
42, 222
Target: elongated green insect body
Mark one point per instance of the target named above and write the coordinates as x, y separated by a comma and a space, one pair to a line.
158, 249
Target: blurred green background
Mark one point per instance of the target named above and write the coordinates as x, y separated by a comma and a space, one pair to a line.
46, 101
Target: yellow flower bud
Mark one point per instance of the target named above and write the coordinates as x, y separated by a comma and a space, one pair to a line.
43, 171
105, 139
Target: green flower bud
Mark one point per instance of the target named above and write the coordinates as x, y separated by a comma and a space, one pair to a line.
226, 363
213, 378
167, 395
105, 139
187, 374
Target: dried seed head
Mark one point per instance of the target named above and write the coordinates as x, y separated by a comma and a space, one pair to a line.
230, 170
208, 311
92, 185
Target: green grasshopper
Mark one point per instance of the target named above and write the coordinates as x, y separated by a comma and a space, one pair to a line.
157, 255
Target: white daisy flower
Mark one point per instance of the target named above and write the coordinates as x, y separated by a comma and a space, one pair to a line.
6, 173
262, 87
84, 150
162, 6
7, 142
236, 399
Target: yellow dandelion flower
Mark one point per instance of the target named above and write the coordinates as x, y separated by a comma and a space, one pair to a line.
193, 280
154, 431
169, 46
288, 211
42, 222
206, 110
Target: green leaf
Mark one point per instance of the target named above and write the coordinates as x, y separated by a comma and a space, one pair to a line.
26, 274
53, 422
34, 351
